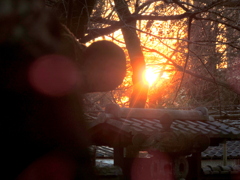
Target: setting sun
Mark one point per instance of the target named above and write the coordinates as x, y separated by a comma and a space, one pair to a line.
151, 75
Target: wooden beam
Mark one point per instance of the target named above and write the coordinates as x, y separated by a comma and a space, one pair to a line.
200, 114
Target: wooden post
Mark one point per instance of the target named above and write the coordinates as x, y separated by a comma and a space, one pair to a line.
195, 166
225, 153
118, 157
130, 153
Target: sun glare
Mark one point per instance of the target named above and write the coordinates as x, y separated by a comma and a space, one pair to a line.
151, 75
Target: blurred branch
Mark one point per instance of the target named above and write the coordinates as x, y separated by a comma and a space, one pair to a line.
103, 20
187, 57
147, 3
180, 4
116, 25
69, 14
219, 21
180, 68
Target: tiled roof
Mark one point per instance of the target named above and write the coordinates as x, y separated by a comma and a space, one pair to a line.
221, 170
216, 152
148, 127
224, 128
103, 151
216, 128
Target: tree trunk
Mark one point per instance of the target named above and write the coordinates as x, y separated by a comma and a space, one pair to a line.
140, 89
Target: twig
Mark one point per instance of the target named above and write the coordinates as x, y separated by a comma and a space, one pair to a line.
187, 57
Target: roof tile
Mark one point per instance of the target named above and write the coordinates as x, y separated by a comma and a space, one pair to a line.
218, 128
216, 152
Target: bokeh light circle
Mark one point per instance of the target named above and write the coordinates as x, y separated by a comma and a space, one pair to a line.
54, 75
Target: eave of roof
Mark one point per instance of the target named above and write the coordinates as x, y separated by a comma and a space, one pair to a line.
182, 129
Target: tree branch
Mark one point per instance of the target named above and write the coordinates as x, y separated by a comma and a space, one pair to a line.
69, 14
187, 57
218, 21
115, 25
180, 68
119, 24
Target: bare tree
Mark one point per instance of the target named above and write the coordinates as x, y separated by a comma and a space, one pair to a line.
197, 40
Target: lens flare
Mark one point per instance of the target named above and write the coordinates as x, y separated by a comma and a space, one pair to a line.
51, 166
54, 75
157, 167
